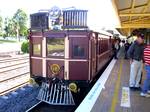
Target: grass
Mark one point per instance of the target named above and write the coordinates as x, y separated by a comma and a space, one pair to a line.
7, 41
55, 47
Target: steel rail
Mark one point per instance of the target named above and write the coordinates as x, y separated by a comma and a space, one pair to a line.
13, 59
13, 65
31, 108
16, 86
13, 88
13, 69
14, 77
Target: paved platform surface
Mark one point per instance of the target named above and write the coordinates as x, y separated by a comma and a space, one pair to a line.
117, 97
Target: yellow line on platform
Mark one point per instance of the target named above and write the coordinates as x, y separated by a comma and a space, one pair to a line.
116, 91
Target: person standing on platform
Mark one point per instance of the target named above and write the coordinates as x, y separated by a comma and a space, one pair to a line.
146, 85
135, 54
127, 45
116, 48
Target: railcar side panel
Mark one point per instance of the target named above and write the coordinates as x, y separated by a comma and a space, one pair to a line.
36, 67
103, 59
104, 51
51, 70
37, 34
93, 55
78, 70
36, 54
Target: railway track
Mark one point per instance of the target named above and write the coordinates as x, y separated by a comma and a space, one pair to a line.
4, 60
12, 83
8, 54
44, 107
14, 73
5, 73
7, 65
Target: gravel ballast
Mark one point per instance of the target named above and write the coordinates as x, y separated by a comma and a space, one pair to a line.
20, 100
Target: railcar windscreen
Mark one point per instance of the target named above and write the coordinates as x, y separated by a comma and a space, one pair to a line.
55, 47
36, 49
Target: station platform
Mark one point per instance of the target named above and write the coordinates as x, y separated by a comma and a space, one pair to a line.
115, 95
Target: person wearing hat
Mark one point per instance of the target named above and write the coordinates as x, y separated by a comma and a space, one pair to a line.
135, 54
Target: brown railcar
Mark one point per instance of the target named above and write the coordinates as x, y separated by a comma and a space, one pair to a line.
69, 55
67, 58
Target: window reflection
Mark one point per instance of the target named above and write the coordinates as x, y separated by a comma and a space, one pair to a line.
55, 47
78, 51
36, 49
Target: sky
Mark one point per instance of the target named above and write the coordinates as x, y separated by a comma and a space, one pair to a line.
100, 12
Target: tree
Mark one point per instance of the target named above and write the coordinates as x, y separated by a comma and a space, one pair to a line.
6, 28
25, 47
9, 27
16, 26
1, 22
20, 23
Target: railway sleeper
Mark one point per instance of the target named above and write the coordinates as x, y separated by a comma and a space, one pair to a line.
55, 94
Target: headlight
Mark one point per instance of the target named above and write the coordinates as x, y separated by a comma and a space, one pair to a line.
73, 87
32, 81
55, 69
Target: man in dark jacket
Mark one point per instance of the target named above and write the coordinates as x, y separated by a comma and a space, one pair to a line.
127, 45
135, 54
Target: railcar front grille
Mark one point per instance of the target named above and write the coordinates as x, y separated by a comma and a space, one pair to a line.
55, 94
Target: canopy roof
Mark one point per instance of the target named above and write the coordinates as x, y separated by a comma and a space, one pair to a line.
133, 14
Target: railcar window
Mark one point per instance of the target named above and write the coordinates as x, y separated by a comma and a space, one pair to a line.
36, 49
102, 45
55, 47
99, 47
78, 51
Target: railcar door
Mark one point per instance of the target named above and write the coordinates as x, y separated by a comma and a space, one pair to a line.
78, 62
55, 44
93, 54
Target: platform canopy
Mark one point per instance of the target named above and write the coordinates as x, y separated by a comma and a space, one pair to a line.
132, 14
